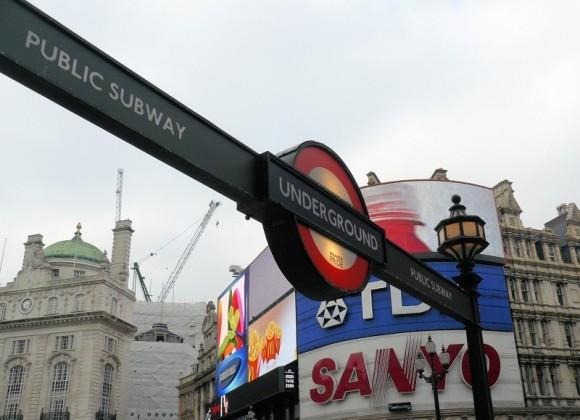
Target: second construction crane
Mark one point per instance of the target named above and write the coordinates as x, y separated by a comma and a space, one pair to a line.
213, 205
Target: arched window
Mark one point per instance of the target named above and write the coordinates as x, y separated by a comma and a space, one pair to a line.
14, 392
79, 302
114, 306
107, 389
59, 388
52, 302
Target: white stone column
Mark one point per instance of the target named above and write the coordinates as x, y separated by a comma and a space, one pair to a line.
572, 252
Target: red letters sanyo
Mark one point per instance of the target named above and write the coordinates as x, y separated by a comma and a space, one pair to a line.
355, 377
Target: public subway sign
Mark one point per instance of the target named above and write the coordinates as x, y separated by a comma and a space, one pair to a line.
324, 240
42, 54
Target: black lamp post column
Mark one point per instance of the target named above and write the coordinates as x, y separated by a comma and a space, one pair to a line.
434, 383
462, 237
435, 377
468, 280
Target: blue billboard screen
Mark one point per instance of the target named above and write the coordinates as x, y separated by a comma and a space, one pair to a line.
382, 310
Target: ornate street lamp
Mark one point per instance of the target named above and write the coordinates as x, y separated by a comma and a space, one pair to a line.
435, 377
462, 237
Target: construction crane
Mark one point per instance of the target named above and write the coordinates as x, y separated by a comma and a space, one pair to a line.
137, 272
119, 193
213, 205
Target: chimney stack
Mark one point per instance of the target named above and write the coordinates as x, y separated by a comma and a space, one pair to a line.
121, 250
33, 252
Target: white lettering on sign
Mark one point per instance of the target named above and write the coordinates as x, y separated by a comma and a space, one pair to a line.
430, 283
331, 216
397, 306
66, 62
229, 372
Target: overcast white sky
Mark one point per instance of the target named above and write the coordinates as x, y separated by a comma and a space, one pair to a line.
487, 90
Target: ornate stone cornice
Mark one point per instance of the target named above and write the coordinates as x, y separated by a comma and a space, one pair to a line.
63, 284
76, 318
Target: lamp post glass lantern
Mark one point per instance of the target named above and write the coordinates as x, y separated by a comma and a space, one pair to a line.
436, 377
462, 237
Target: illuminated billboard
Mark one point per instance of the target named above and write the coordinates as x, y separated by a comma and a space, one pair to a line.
357, 354
232, 327
363, 376
408, 211
272, 339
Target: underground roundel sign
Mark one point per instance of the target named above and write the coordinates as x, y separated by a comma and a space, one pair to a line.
317, 265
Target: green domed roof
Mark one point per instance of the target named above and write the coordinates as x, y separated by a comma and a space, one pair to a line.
75, 248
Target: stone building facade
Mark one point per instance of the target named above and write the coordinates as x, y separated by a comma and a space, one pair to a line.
65, 330
543, 275
196, 390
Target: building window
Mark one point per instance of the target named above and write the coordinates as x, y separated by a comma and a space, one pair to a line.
560, 293
528, 249
578, 254
551, 252
520, 331
506, 247
59, 389
527, 372
577, 378
79, 302
525, 288
554, 379
110, 344
569, 334
513, 289
546, 332
539, 250
537, 291
532, 330
106, 391
2, 311
541, 379
114, 304
517, 249
52, 305
55, 272
14, 390
20, 346
64, 342
78, 274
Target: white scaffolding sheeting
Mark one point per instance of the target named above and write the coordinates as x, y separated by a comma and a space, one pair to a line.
155, 367
154, 372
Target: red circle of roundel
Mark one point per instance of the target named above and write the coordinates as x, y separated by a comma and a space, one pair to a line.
313, 158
